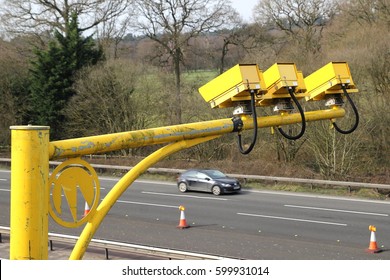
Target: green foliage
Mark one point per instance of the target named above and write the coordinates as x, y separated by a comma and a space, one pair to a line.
53, 73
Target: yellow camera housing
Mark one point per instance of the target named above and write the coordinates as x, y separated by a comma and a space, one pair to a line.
233, 86
301, 88
328, 80
278, 79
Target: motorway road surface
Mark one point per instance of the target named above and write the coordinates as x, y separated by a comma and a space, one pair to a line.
249, 225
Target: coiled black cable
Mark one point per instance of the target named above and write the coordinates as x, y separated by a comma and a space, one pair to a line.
303, 128
354, 110
254, 138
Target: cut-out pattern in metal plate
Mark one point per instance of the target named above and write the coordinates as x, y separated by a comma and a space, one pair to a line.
74, 192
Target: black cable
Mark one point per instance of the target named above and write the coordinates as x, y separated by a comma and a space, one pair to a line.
254, 116
354, 110
303, 128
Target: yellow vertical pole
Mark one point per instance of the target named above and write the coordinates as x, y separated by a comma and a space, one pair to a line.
29, 192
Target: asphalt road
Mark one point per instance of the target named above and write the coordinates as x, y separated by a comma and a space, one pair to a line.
249, 225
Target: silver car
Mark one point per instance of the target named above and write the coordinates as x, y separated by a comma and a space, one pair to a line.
207, 180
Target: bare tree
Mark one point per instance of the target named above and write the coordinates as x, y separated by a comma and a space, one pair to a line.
362, 38
38, 16
13, 83
367, 11
302, 20
336, 155
172, 23
112, 32
245, 37
107, 101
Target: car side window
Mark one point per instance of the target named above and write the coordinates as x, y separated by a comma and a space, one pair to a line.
202, 176
216, 174
192, 174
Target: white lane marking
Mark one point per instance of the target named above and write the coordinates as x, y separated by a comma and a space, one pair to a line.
319, 196
143, 181
3, 179
184, 195
139, 181
336, 210
292, 219
4, 190
148, 204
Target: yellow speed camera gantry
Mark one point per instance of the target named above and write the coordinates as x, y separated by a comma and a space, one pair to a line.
245, 87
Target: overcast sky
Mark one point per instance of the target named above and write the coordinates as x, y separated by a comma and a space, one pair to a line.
245, 8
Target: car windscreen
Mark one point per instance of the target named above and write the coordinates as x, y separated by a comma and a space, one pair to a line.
215, 174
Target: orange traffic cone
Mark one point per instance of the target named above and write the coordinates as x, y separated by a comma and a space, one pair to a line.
182, 222
86, 209
373, 247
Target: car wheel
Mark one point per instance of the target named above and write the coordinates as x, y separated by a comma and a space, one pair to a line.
183, 187
216, 190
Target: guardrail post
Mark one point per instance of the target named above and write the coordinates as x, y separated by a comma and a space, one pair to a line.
29, 193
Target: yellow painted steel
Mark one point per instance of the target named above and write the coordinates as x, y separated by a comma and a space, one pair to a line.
233, 86
286, 118
278, 78
301, 83
141, 167
133, 139
29, 192
139, 138
122, 185
71, 178
328, 80
31, 152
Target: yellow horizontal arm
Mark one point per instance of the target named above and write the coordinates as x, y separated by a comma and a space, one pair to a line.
139, 138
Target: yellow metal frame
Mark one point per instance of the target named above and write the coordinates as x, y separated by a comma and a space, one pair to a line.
122, 185
31, 151
301, 83
29, 192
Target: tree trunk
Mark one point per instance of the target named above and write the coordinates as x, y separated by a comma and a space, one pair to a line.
224, 53
177, 108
